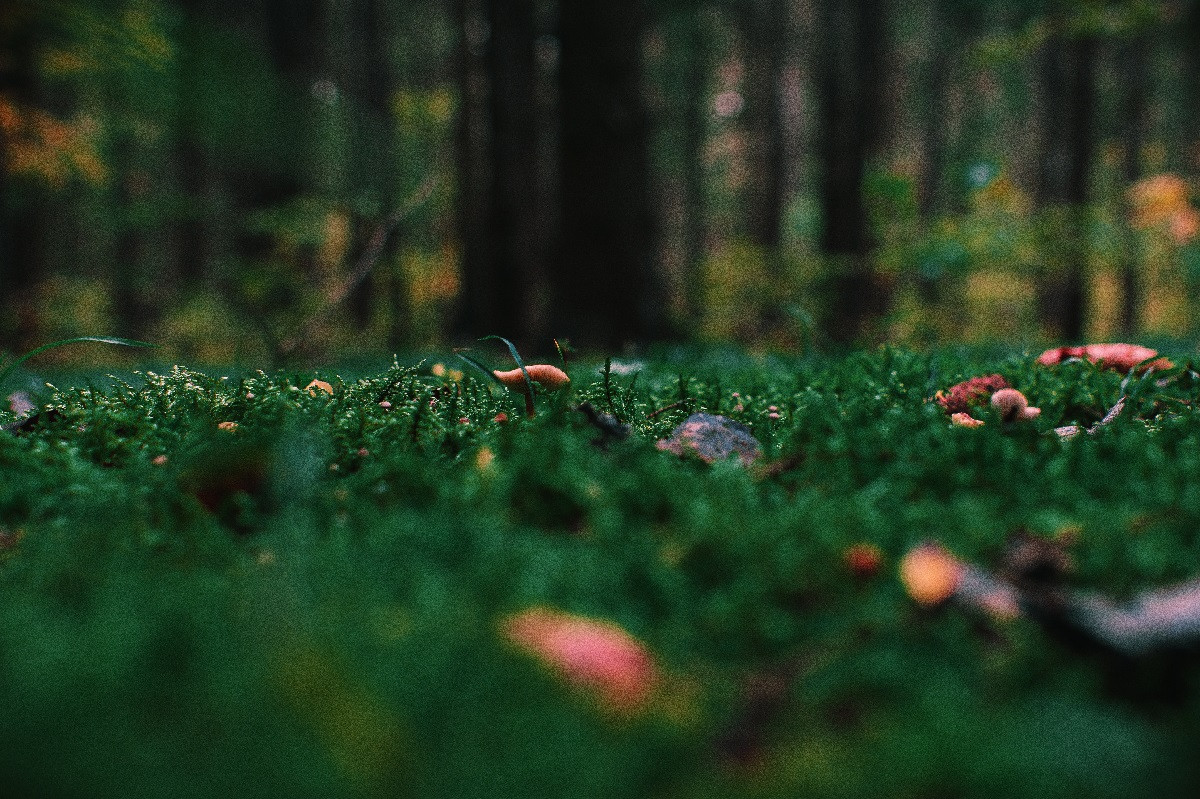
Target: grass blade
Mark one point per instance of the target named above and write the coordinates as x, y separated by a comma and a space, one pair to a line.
124, 342
529, 409
473, 362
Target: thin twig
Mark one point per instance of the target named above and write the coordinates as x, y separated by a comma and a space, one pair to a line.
664, 408
367, 261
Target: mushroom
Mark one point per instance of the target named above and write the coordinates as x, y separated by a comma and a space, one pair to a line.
548, 375
1120, 357
1012, 405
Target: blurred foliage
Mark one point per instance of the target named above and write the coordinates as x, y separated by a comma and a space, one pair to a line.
180, 180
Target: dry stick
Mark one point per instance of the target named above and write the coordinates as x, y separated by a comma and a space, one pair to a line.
1155, 620
665, 408
366, 262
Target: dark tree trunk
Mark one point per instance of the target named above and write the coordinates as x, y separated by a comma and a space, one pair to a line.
1133, 67
192, 164
514, 214
764, 25
21, 225
477, 311
604, 288
850, 82
500, 142
373, 171
130, 300
1063, 190
292, 29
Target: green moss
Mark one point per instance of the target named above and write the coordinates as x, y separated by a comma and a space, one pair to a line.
308, 603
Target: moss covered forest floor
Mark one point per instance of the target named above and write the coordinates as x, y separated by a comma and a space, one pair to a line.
295, 584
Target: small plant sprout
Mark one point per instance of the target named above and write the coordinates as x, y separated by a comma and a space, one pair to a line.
1012, 405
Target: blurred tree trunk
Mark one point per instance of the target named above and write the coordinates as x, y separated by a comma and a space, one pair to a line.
931, 199
513, 216
1068, 105
478, 312
604, 287
764, 26
21, 224
499, 144
131, 303
854, 37
192, 164
292, 30
1134, 69
372, 83
697, 50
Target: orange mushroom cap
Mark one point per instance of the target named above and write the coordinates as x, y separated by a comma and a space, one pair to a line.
548, 375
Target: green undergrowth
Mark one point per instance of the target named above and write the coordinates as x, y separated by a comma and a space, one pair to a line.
307, 602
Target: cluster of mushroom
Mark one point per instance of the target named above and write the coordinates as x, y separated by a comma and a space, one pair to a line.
1010, 404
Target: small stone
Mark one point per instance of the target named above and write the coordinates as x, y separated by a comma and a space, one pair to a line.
712, 438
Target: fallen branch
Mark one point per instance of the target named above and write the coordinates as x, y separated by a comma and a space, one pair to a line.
1155, 621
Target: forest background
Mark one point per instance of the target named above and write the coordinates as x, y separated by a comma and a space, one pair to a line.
269, 180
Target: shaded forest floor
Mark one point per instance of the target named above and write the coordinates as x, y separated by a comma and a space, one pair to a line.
404, 585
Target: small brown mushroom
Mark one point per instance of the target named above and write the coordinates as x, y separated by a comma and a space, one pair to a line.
1012, 405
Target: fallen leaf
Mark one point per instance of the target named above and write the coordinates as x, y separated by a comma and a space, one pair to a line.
965, 420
